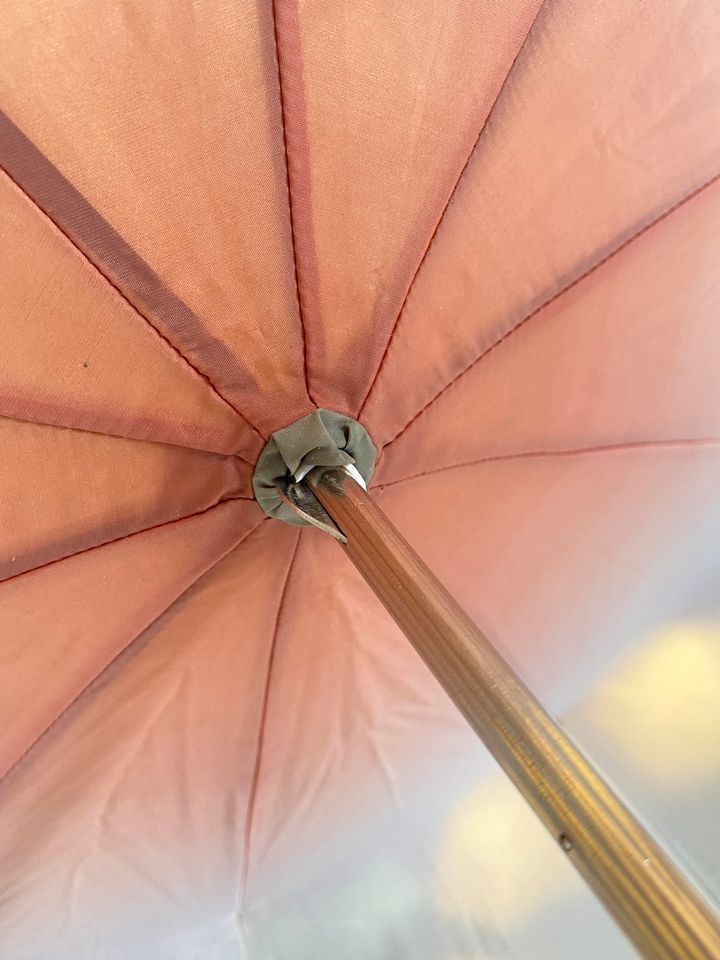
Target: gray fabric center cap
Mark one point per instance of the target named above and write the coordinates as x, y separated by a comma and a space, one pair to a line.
321, 439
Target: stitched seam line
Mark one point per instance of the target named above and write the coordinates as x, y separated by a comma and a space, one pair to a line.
125, 536
124, 436
291, 202
262, 724
572, 452
566, 289
449, 200
88, 259
123, 296
98, 676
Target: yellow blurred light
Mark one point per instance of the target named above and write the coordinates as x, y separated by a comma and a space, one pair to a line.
660, 710
496, 862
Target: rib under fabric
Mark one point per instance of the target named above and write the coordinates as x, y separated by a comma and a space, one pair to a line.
487, 233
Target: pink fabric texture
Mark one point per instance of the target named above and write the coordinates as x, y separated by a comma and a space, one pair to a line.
491, 233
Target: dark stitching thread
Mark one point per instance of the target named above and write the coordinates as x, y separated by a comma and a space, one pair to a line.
449, 200
255, 780
291, 205
556, 296
98, 677
125, 536
117, 289
574, 452
122, 436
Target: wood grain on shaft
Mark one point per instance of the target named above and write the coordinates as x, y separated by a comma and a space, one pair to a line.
657, 907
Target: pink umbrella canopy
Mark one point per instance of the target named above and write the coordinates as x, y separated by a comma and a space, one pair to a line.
490, 234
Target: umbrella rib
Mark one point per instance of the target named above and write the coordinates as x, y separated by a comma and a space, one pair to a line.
123, 436
445, 208
556, 296
48, 190
571, 452
282, 79
121, 653
262, 725
125, 536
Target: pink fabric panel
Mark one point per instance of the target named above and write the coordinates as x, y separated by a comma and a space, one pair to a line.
493, 229
382, 105
582, 152
64, 623
80, 339
630, 355
349, 704
66, 490
179, 148
128, 820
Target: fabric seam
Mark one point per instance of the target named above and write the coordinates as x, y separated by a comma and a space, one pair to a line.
448, 202
556, 296
571, 452
126, 536
135, 309
101, 673
291, 205
262, 725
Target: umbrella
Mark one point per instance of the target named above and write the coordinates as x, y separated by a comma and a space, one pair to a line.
484, 239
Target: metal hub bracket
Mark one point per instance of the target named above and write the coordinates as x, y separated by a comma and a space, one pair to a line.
301, 500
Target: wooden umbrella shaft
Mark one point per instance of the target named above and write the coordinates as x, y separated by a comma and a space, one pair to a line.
657, 907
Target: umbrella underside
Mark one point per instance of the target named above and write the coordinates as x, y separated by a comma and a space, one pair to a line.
487, 233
